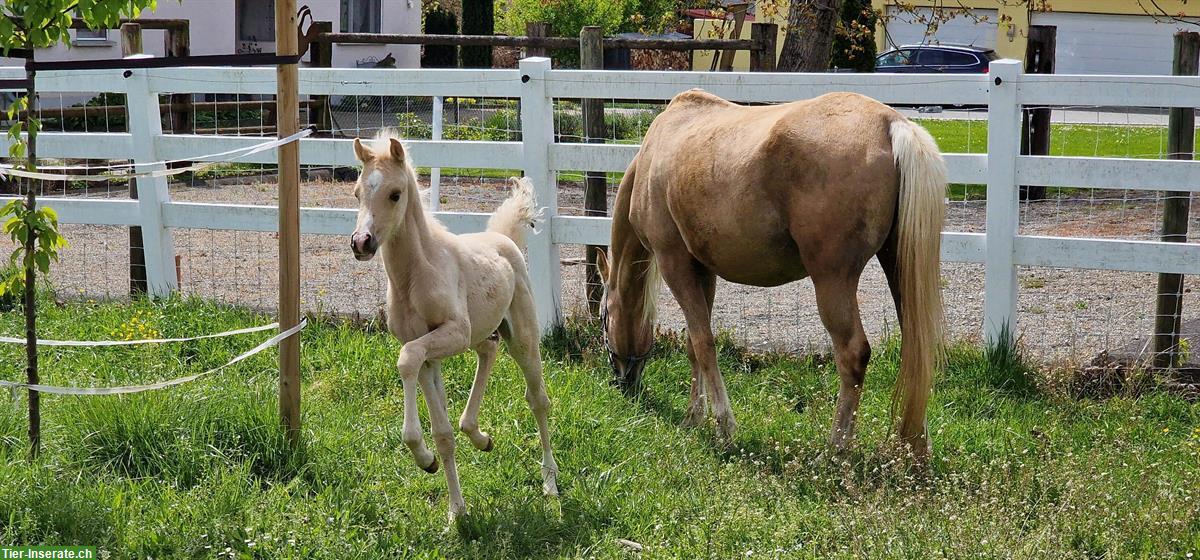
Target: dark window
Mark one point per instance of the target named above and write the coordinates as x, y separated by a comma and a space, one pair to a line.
945, 58
256, 22
362, 16
896, 58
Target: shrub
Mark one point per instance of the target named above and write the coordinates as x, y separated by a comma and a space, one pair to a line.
568, 17
478, 19
412, 126
440, 22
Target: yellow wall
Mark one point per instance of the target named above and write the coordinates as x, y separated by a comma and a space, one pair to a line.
706, 28
1014, 47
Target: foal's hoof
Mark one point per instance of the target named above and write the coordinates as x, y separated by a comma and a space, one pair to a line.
432, 468
490, 444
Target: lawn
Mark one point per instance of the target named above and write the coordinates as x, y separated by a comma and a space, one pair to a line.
1022, 468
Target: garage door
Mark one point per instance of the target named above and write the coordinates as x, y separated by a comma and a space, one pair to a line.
906, 28
1109, 44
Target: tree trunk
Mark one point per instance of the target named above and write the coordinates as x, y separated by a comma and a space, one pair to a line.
809, 41
31, 356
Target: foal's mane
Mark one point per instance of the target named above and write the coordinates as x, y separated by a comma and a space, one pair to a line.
380, 144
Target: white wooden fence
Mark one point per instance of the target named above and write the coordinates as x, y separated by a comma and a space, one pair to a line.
1004, 91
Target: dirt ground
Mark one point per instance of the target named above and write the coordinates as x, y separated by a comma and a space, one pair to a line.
1065, 316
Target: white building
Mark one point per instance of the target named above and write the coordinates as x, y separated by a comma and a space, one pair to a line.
242, 26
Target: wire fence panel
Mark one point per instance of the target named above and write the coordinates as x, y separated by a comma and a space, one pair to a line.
1103, 178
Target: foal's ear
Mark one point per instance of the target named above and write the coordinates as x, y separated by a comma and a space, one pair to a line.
397, 150
602, 264
361, 152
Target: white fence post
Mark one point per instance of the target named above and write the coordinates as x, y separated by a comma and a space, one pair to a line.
537, 133
145, 126
1004, 143
435, 174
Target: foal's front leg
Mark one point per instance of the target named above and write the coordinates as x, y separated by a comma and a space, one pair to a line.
447, 340
443, 433
469, 421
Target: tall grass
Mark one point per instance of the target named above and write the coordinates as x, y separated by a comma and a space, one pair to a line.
201, 470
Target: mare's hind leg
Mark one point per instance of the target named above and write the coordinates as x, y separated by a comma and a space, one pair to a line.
469, 421
688, 280
837, 302
697, 401
522, 334
443, 433
414, 436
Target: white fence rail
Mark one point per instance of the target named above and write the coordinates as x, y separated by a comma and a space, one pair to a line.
1003, 91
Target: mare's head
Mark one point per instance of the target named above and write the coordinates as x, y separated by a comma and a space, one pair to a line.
386, 191
627, 314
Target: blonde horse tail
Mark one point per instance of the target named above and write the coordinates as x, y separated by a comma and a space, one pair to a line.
517, 214
919, 219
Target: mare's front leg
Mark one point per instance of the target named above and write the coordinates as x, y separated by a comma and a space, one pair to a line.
447, 340
697, 401
688, 279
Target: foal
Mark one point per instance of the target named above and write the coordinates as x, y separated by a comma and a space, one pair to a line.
448, 293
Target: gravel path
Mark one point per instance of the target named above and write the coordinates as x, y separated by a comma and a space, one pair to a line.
1066, 316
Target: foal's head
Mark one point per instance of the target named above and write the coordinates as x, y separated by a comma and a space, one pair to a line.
386, 191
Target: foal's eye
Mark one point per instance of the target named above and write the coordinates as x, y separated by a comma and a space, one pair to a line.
395, 197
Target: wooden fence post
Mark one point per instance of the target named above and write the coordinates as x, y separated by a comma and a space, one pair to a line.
1181, 126
537, 134
762, 56
595, 194
1000, 274
287, 112
320, 113
1035, 123
131, 44
179, 43
537, 29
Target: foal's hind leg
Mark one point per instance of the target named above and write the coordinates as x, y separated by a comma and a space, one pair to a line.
443, 433
837, 302
469, 421
522, 336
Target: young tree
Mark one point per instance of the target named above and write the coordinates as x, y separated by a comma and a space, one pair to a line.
28, 25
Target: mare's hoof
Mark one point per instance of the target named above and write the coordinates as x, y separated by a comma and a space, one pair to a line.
491, 444
432, 468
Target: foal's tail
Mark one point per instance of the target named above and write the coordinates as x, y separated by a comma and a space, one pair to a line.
920, 217
517, 214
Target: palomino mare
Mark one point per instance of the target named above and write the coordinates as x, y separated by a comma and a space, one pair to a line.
767, 195
448, 293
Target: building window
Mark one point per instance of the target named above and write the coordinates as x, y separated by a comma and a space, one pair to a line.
91, 35
362, 16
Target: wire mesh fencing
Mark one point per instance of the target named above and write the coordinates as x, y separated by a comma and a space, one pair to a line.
1065, 315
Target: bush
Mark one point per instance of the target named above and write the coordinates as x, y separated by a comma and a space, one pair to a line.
440, 22
478, 19
854, 40
414, 127
568, 17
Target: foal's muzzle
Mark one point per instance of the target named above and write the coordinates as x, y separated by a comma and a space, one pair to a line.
364, 246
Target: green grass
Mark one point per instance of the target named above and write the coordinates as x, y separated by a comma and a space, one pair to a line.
202, 470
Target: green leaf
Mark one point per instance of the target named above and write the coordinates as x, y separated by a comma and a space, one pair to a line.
43, 261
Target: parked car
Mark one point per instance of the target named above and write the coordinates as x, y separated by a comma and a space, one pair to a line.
955, 59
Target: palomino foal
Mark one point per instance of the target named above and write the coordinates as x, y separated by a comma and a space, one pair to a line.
446, 294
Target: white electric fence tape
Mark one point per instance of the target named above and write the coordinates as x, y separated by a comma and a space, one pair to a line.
162, 384
7, 169
41, 342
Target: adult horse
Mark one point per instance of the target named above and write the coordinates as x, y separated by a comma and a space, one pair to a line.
771, 194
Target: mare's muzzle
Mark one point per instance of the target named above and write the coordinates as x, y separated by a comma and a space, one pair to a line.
627, 371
